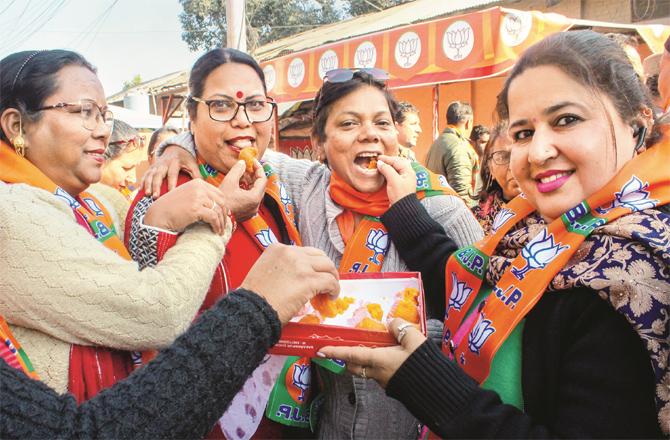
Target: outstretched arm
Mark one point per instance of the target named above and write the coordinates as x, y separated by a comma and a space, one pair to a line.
180, 394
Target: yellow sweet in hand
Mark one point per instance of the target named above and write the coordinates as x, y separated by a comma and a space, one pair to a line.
248, 155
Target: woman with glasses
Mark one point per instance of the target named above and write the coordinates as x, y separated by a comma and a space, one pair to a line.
498, 184
340, 204
229, 112
572, 339
68, 288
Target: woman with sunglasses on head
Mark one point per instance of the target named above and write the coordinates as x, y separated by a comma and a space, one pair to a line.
339, 203
572, 340
70, 292
230, 113
498, 184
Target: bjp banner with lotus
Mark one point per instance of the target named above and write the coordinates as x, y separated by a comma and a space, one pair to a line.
470, 46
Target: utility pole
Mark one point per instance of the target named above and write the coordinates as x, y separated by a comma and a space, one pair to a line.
236, 37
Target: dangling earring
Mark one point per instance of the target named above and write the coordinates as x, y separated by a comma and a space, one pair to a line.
18, 142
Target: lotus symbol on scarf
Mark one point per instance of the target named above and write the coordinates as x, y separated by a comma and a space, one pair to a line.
501, 218
538, 253
71, 201
479, 334
421, 180
633, 196
301, 379
93, 206
459, 293
265, 237
285, 199
377, 241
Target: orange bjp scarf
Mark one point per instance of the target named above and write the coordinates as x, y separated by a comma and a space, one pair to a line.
641, 184
91, 369
366, 245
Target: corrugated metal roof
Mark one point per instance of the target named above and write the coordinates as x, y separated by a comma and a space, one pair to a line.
407, 13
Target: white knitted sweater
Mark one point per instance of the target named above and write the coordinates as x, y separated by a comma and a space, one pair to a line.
60, 286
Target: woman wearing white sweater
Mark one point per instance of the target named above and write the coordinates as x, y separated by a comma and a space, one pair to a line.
67, 285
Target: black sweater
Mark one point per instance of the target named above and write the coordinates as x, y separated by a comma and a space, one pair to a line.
181, 394
585, 371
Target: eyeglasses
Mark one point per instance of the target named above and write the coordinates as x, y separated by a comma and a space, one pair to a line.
131, 144
224, 110
500, 157
343, 75
91, 113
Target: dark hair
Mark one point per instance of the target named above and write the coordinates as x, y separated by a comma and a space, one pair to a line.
489, 184
331, 92
154, 138
591, 59
652, 85
28, 78
123, 138
478, 131
210, 61
404, 108
458, 112
622, 40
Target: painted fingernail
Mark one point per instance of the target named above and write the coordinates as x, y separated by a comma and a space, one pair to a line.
321, 355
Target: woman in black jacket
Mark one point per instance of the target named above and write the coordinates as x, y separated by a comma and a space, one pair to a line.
184, 391
572, 338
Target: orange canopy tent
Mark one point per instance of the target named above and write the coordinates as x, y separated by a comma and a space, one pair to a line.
435, 62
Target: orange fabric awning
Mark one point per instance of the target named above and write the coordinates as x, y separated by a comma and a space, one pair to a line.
458, 48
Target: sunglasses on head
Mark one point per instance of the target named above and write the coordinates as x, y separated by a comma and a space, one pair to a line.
343, 75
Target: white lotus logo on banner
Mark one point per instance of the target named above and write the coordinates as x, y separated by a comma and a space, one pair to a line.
458, 40
408, 50
270, 76
515, 27
296, 72
327, 62
365, 55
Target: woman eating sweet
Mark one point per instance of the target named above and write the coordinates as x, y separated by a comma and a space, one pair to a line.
572, 341
338, 204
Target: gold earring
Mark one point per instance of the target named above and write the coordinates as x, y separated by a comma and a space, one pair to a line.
18, 142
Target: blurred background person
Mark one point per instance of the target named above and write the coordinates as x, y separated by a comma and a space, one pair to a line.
452, 155
157, 137
629, 45
664, 78
409, 128
479, 138
498, 184
121, 158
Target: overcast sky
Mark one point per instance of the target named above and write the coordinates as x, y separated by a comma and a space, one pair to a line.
121, 38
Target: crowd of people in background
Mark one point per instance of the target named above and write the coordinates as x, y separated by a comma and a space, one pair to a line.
141, 302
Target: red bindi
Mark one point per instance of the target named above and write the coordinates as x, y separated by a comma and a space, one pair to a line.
239, 94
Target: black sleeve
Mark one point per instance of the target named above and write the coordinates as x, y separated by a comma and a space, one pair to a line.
594, 380
424, 246
180, 394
